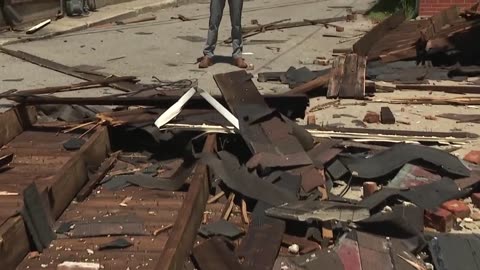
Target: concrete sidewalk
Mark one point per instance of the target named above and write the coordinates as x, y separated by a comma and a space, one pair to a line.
104, 15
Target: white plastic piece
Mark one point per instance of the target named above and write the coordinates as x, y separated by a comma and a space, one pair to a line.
175, 109
219, 107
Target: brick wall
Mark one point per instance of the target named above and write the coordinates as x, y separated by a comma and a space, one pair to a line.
431, 7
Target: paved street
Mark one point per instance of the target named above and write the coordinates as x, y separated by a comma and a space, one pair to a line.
168, 49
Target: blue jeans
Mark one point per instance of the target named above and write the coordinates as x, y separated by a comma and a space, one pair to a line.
216, 12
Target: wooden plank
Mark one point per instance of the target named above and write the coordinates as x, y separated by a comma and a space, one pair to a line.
15, 243
457, 89
293, 24
97, 177
349, 80
359, 92
363, 46
124, 86
184, 231
335, 78
319, 82
14, 121
74, 87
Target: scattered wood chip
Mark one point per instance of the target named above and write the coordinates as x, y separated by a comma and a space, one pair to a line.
403, 122
116, 58
125, 201
163, 229
6, 193
216, 197
430, 117
228, 207
33, 255
245, 217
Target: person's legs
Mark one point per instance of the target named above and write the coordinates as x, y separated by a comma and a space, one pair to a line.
236, 7
216, 12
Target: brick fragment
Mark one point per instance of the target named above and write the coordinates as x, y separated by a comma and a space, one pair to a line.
371, 117
369, 188
457, 208
440, 219
311, 119
473, 157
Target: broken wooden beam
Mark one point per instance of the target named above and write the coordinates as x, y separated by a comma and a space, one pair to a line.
295, 24
335, 78
184, 231
75, 87
290, 105
363, 134
363, 46
97, 176
71, 71
348, 77
319, 82
456, 89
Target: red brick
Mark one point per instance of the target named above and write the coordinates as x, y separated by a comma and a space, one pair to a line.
440, 219
476, 199
473, 157
369, 188
371, 117
311, 119
457, 208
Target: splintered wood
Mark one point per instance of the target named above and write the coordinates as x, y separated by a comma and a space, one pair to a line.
348, 77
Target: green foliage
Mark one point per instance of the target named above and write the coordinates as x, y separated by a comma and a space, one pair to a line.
384, 8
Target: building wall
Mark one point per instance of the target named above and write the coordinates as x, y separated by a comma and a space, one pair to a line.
432, 7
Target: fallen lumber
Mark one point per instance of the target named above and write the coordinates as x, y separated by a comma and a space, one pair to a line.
74, 87
72, 71
461, 118
294, 24
456, 89
356, 134
290, 105
184, 231
97, 177
348, 77
319, 82
466, 100
363, 46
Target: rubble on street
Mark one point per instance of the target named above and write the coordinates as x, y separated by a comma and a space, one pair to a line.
167, 175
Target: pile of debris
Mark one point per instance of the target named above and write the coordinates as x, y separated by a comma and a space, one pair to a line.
292, 196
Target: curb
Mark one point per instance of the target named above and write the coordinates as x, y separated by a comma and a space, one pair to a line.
110, 19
